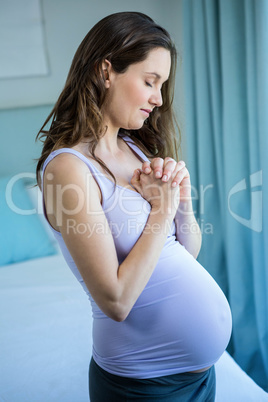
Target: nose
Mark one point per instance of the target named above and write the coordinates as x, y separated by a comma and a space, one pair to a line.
156, 98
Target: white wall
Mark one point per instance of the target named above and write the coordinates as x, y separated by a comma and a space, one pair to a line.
66, 22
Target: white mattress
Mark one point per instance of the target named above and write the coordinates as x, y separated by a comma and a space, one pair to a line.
45, 339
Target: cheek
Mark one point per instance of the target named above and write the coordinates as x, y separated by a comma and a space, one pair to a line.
135, 94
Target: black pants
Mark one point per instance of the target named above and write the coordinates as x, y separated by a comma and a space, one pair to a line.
184, 387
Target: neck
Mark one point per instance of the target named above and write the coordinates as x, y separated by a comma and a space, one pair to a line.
109, 143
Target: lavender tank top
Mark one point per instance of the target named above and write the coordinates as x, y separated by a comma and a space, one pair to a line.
181, 321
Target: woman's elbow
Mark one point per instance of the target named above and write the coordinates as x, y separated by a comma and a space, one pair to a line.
118, 317
117, 312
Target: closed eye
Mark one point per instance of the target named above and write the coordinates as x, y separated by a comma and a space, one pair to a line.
148, 84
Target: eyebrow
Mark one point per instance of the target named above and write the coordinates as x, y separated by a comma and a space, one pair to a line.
157, 75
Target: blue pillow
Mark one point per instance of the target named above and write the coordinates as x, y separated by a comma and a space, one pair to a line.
22, 234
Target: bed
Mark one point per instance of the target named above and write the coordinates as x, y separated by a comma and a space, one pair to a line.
46, 321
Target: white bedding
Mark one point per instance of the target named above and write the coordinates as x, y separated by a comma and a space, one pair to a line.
45, 339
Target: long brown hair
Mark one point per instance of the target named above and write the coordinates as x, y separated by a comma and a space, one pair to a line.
122, 38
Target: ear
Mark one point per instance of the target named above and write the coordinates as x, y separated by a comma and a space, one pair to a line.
107, 70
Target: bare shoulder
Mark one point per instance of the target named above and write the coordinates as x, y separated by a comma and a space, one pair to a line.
67, 169
65, 163
68, 185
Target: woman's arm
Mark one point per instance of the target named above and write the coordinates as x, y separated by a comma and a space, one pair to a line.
73, 198
188, 232
187, 229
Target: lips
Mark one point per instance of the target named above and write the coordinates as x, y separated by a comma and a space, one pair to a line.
147, 111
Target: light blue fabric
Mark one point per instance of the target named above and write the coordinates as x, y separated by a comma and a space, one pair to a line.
22, 235
226, 76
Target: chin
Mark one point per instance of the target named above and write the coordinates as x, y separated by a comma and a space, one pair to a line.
135, 126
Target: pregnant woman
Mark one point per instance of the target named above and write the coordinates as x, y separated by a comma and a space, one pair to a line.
119, 203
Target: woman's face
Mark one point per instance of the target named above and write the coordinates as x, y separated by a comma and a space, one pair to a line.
132, 95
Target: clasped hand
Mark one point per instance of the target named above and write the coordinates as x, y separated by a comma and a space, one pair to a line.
163, 176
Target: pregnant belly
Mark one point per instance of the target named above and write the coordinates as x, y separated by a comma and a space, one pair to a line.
181, 321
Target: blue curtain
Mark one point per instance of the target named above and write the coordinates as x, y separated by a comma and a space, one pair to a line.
226, 90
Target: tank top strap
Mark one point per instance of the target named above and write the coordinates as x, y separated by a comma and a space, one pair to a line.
106, 186
95, 172
53, 154
134, 147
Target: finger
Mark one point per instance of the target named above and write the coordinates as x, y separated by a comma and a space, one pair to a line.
180, 175
136, 175
180, 165
171, 167
135, 180
146, 168
157, 167
168, 168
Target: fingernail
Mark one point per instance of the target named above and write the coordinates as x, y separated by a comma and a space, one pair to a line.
165, 177
158, 174
147, 170
174, 184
